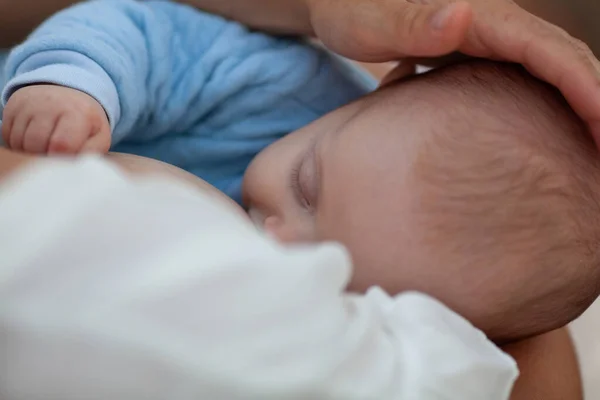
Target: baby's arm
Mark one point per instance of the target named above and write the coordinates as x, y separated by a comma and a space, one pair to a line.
116, 52
81, 70
162, 68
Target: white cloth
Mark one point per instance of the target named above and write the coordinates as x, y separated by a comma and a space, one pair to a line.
119, 289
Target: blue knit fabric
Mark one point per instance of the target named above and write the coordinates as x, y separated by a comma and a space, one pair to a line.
182, 86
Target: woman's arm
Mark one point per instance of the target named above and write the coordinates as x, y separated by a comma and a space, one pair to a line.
549, 368
279, 16
18, 19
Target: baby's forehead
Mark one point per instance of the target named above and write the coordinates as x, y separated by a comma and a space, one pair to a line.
488, 107
474, 96
408, 112
470, 87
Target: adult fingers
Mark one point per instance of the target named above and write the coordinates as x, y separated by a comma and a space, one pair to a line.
552, 55
388, 30
423, 30
570, 65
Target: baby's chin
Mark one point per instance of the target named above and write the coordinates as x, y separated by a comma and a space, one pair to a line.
142, 166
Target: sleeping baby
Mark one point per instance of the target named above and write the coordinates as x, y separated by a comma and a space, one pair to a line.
475, 183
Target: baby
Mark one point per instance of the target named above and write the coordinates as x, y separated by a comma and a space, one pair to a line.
475, 183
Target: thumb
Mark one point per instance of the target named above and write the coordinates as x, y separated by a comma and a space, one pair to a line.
99, 142
422, 30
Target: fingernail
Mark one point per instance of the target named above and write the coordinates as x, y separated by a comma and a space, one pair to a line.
441, 17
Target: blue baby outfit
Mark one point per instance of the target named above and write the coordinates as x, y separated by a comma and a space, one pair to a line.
182, 86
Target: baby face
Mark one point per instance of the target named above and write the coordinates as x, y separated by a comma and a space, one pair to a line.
345, 178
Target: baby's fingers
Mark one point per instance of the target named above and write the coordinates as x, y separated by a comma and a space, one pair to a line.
98, 143
6, 131
70, 134
13, 129
37, 134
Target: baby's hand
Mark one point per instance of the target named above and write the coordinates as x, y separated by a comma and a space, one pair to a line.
54, 119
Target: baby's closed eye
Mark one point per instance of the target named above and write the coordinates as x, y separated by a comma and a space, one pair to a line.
305, 180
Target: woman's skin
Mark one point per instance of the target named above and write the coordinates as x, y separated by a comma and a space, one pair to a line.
549, 368
140, 166
548, 364
19, 18
11, 161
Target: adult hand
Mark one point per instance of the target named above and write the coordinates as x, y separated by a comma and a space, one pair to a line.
384, 30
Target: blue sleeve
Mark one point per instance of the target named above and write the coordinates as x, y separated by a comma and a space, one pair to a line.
65, 68
117, 51
162, 69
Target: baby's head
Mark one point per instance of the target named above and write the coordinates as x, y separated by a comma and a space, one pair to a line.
474, 183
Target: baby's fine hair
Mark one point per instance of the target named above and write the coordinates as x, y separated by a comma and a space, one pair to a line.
510, 185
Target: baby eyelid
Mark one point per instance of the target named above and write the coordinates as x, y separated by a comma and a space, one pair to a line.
296, 186
307, 180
